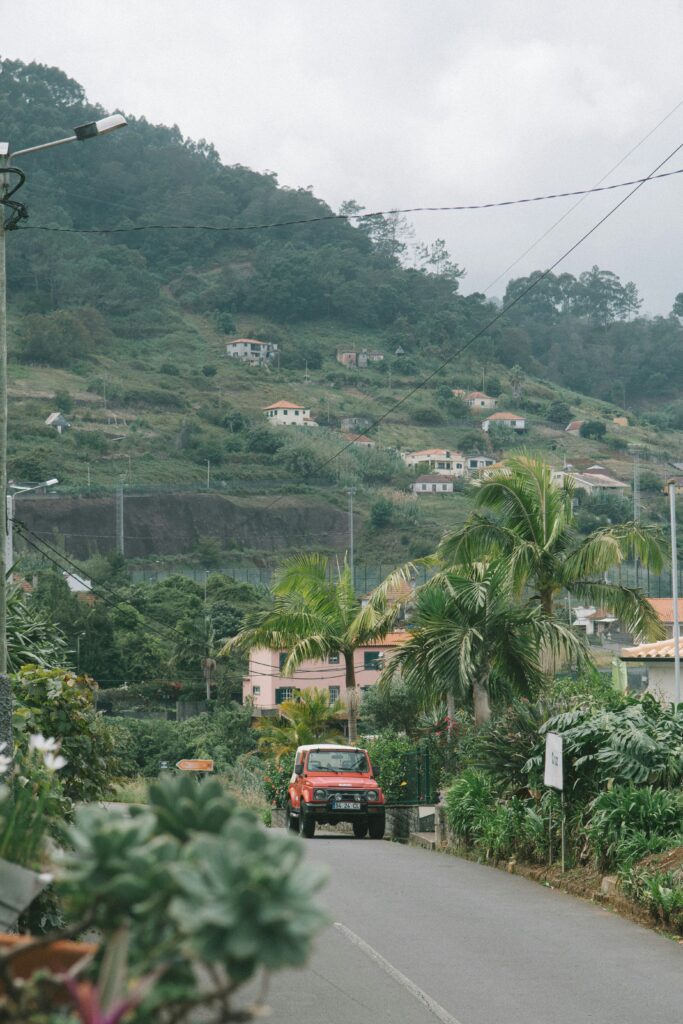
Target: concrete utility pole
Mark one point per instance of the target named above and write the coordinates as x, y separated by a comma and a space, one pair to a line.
674, 593
351, 491
120, 535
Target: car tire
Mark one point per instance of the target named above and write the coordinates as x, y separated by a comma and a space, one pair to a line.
360, 829
306, 823
376, 826
292, 820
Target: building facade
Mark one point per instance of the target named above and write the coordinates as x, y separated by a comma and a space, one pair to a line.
438, 460
248, 350
289, 414
432, 483
265, 686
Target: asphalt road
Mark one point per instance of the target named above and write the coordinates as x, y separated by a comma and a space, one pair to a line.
423, 937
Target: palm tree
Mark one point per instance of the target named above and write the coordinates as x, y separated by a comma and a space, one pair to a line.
308, 717
315, 614
469, 638
528, 520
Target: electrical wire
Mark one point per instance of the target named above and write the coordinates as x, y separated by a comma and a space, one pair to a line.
582, 199
498, 316
235, 228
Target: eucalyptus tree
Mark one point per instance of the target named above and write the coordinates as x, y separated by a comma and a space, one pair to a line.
526, 519
315, 614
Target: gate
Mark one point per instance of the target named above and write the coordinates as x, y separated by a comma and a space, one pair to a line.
417, 778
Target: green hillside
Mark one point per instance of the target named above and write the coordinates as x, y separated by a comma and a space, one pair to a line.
126, 334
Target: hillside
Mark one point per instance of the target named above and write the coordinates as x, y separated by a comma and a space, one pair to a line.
126, 334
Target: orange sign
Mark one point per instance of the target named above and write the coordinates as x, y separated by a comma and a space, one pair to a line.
195, 766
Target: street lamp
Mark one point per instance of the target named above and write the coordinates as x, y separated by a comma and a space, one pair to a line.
12, 174
9, 537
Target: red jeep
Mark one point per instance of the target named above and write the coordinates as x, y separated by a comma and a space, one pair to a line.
333, 783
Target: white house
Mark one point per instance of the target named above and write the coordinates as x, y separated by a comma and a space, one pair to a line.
574, 427
653, 667
475, 462
508, 419
593, 621
289, 414
248, 350
591, 483
432, 483
58, 422
439, 460
479, 400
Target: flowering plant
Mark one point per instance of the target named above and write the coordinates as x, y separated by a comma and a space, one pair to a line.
30, 799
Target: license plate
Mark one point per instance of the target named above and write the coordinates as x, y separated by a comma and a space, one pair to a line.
345, 805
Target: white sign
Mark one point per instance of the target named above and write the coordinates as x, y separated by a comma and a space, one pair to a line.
554, 775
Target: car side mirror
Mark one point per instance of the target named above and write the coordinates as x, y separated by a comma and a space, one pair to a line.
298, 769
375, 774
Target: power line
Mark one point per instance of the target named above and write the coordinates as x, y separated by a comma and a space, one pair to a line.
234, 228
571, 209
501, 313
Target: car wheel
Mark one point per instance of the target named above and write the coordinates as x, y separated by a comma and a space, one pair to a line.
360, 829
292, 820
306, 822
377, 828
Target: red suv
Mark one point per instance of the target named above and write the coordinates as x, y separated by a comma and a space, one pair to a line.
334, 783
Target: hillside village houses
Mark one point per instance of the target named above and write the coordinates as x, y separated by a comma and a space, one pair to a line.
360, 439
595, 481
350, 423
359, 359
265, 687
649, 668
479, 400
508, 419
439, 460
432, 483
248, 350
58, 422
289, 414
574, 427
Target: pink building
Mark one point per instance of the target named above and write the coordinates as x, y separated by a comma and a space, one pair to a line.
267, 688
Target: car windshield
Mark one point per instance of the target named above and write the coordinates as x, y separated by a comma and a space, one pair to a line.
337, 761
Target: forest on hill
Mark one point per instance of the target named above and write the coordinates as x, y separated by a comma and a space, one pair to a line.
76, 295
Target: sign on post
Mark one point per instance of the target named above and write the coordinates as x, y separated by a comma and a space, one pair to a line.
196, 765
554, 769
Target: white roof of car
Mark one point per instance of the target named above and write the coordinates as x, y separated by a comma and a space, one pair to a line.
325, 746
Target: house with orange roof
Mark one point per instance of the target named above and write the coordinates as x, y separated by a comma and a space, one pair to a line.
289, 414
574, 427
480, 400
664, 607
265, 687
650, 668
511, 420
360, 439
438, 460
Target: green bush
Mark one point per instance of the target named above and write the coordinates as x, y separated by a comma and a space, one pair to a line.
388, 754
469, 801
660, 891
57, 703
618, 813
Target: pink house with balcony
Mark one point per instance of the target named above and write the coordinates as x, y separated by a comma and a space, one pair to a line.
266, 687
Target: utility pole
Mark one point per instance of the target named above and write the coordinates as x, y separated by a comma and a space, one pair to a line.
208, 474
351, 491
120, 539
674, 593
635, 451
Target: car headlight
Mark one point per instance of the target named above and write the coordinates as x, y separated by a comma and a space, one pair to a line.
319, 794
371, 794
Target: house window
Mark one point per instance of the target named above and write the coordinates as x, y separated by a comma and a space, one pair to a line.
372, 661
282, 658
333, 659
285, 411
256, 690
283, 693
433, 487
334, 694
296, 412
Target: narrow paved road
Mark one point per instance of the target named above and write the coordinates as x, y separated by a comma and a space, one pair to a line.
423, 937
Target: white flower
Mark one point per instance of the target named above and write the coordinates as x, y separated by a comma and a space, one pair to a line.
5, 763
53, 762
45, 745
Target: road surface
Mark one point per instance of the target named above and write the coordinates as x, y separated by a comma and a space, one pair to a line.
422, 937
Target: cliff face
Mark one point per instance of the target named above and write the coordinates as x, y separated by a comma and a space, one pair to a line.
168, 524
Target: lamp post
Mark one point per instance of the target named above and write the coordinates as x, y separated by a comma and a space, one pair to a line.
9, 538
11, 179
351, 491
674, 592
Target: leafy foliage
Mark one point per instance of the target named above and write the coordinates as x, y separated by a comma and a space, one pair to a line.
620, 813
309, 717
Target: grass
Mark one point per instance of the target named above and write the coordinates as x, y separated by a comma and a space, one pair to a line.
242, 785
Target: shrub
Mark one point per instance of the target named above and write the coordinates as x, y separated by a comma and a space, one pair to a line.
595, 430
661, 891
381, 513
389, 754
469, 799
57, 703
209, 371
619, 812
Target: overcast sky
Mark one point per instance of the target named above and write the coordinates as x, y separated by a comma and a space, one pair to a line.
397, 103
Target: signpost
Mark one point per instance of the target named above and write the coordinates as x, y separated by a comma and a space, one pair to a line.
553, 777
196, 765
